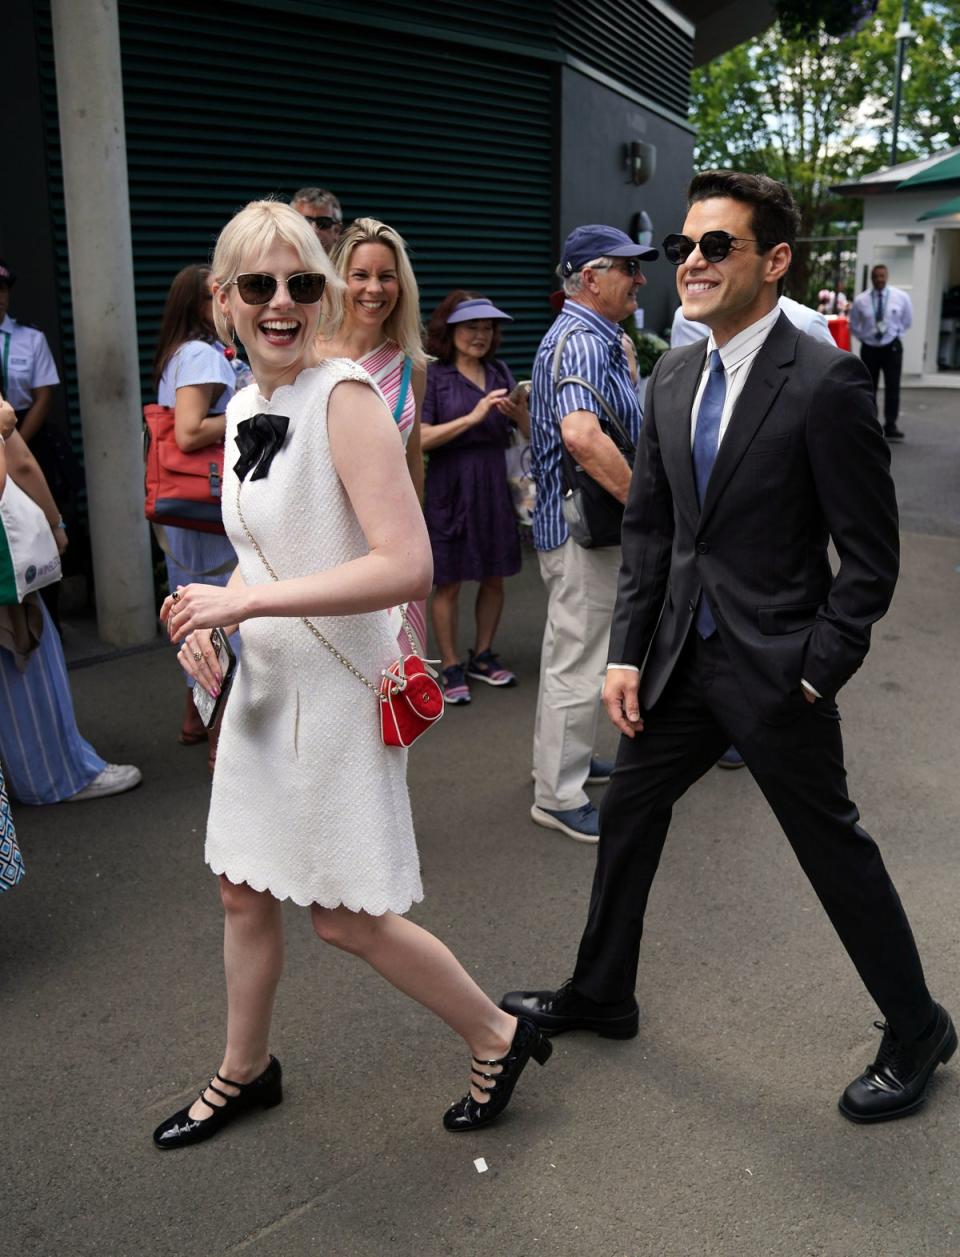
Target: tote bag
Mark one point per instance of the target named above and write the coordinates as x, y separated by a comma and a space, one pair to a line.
29, 559
180, 489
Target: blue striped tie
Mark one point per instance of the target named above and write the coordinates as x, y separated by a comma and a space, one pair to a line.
706, 440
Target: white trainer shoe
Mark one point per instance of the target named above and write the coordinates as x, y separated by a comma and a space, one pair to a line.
115, 779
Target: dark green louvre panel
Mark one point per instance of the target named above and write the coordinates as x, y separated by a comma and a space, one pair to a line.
632, 42
453, 146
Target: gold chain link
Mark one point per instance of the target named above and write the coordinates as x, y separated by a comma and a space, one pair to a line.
312, 627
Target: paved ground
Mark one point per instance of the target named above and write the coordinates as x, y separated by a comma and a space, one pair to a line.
713, 1134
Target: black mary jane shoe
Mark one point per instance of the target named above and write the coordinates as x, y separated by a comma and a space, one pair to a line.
468, 1114
182, 1129
896, 1083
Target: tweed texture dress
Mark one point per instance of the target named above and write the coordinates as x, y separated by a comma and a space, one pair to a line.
307, 802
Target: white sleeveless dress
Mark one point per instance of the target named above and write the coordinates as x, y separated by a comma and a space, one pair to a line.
307, 802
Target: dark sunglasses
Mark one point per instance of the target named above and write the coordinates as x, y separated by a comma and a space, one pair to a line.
629, 266
305, 289
714, 246
323, 221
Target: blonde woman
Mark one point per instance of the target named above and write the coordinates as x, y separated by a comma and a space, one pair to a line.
308, 804
381, 331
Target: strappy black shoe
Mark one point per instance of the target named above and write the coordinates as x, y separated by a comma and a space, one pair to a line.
468, 1114
182, 1129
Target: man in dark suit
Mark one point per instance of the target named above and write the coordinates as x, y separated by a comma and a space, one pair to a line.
758, 446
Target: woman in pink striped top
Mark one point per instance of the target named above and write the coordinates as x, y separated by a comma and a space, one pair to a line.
381, 331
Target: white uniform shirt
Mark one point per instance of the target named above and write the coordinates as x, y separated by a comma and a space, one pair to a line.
895, 312
27, 362
685, 331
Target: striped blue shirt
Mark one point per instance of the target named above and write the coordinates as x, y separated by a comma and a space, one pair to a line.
594, 352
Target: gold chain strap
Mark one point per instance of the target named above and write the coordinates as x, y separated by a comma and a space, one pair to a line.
312, 627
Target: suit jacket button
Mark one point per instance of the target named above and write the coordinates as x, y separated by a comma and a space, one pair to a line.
690, 604
702, 548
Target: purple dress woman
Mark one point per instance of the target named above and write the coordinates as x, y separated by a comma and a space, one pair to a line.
467, 503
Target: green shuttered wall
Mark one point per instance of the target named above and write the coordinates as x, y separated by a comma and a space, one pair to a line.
451, 145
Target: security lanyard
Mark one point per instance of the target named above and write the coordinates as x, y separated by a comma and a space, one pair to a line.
4, 374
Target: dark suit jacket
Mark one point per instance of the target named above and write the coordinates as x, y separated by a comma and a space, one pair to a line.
803, 460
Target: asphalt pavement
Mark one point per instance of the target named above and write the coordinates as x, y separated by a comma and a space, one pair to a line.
714, 1133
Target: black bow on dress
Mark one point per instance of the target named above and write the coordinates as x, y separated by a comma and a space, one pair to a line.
258, 439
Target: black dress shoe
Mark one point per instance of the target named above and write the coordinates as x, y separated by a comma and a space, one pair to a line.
182, 1129
468, 1114
892, 432
564, 1009
896, 1082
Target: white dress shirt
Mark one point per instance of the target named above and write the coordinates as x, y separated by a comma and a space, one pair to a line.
686, 332
896, 315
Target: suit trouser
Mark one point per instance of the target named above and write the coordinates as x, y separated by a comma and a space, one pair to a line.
581, 590
889, 360
799, 768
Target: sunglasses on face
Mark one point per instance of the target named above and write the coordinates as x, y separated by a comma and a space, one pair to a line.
714, 246
629, 266
323, 222
305, 289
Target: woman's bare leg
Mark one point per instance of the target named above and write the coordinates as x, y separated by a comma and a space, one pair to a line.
252, 962
443, 613
415, 962
489, 607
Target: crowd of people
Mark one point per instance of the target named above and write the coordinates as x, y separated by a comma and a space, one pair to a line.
683, 549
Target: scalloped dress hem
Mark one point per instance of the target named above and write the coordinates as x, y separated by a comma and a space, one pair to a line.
282, 896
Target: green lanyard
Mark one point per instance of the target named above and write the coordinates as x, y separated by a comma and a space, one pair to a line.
6, 358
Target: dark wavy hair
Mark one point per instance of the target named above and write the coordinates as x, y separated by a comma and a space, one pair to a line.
439, 342
183, 316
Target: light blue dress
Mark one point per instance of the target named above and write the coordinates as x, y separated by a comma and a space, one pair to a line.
195, 556
45, 759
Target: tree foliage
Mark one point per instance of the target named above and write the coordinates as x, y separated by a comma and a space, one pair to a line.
818, 112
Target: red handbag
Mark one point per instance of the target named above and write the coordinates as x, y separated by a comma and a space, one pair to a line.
410, 701
181, 489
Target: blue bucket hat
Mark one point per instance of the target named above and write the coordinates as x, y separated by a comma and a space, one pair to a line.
476, 308
596, 240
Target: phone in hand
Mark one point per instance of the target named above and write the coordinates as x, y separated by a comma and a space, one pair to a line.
208, 707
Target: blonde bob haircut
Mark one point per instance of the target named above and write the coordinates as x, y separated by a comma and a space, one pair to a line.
403, 325
251, 234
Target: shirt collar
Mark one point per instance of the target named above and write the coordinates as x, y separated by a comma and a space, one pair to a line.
746, 343
599, 322
8, 324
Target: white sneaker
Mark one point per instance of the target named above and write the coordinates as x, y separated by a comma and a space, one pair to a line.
115, 779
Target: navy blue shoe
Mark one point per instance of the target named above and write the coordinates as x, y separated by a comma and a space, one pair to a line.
582, 824
600, 772
731, 758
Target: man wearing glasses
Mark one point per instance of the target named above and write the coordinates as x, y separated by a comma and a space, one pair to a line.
322, 210
580, 375
759, 446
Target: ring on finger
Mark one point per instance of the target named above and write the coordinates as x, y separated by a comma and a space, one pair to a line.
197, 655
175, 595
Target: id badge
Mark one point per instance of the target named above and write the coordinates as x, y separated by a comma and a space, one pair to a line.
881, 326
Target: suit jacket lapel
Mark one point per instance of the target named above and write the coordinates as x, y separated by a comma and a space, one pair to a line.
674, 403
767, 376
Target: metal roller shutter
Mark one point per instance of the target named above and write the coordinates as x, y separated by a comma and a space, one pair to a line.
451, 145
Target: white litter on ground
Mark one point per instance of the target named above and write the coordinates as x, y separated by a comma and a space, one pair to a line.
481, 1165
